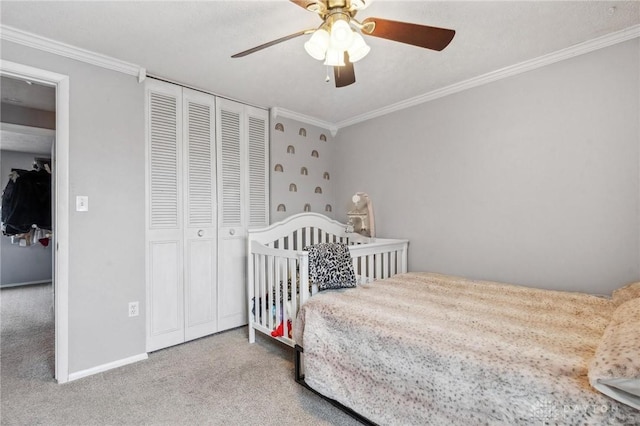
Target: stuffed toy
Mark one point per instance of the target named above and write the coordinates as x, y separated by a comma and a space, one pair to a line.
279, 331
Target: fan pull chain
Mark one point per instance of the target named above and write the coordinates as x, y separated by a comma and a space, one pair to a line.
327, 78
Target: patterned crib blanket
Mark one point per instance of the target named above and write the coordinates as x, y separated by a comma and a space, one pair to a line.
422, 348
330, 266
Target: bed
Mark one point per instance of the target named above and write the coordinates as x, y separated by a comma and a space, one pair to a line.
278, 267
424, 348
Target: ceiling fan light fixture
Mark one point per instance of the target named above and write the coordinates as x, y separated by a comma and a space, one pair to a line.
358, 49
341, 34
318, 44
335, 57
360, 4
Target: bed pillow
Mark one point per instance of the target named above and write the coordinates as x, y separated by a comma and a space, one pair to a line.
615, 368
330, 266
626, 293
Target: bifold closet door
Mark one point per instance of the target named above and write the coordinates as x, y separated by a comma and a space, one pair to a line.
200, 236
164, 236
181, 215
242, 145
231, 230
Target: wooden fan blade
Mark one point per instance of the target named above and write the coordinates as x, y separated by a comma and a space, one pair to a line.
345, 75
433, 38
271, 43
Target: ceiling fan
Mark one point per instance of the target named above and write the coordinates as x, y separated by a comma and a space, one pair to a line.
338, 40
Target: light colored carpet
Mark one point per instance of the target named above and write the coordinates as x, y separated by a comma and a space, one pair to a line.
217, 380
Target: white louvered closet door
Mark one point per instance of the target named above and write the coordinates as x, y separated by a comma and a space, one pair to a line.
257, 122
243, 200
200, 236
164, 236
182, 298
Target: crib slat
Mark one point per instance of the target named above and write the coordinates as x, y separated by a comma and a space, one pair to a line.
298, 241
385, 265
286, 313
356, 271
276, 298
265, 290
259, 293
284, 294
362, 268
253, 286
294, 288
394, 260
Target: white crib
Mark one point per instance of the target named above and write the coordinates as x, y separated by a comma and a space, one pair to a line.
278, 278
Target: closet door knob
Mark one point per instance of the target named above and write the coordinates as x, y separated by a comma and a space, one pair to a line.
200, 233
232, 232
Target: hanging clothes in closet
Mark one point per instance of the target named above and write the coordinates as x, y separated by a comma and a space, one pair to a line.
26, 203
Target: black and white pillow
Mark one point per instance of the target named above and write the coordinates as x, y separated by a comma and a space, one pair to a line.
330, 266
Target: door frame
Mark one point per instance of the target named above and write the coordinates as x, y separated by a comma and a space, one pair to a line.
61, 212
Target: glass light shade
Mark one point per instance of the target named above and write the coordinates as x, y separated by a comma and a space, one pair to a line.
360, 4
318, 44
341, 35
358, 49
335, 57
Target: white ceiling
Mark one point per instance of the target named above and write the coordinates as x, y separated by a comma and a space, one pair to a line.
27, 94
192, 42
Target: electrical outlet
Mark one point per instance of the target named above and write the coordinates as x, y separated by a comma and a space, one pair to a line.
133, 309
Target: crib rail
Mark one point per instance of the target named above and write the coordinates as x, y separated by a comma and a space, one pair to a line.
278, 281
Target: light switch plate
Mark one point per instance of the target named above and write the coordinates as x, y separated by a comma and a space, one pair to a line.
82, 203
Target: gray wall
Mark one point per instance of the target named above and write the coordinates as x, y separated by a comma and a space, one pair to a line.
21, 264
532, 179
106, 269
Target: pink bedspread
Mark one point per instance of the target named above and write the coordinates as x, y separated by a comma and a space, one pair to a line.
420, 348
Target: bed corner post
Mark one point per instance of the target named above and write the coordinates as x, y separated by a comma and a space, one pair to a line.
303, 261
252, 334
250, 291
404, 257
298, 364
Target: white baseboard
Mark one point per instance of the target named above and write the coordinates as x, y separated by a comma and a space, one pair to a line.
108, 366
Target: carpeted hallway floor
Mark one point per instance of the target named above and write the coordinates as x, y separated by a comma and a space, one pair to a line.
217, 380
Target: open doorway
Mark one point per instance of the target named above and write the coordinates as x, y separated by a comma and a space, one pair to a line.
27, 147
60, 220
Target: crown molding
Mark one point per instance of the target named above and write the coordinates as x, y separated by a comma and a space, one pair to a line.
560, 55
68, 51
281, 112
38, 42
